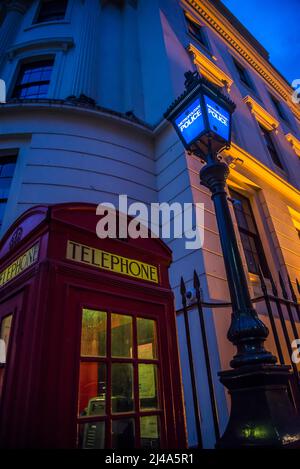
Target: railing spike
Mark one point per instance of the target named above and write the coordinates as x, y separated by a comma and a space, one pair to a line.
273, 285
182, 287
294, 298
282, 285
298, 285
196, 280
262, 280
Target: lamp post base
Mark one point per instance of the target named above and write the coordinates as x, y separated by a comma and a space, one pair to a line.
262, 414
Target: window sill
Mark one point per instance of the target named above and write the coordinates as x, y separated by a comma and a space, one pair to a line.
52, 44
46, 23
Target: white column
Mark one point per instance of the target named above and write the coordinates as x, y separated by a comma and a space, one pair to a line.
130, 58
10, 26
85, 75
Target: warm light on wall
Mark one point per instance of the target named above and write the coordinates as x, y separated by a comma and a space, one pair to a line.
295, 217
263, 173
231, 36
209, 70
295, 143
262, 116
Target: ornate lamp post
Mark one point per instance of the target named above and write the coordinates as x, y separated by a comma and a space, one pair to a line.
262, 414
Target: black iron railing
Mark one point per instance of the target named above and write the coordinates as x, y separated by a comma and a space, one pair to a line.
283, 306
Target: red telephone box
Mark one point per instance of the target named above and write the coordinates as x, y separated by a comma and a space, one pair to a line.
88, 337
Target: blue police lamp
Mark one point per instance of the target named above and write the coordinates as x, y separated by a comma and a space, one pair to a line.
201, 117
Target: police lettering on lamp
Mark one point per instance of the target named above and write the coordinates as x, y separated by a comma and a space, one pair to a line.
217, 115
190, 118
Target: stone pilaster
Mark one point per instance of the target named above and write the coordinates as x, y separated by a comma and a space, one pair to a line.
10, 26
85, 75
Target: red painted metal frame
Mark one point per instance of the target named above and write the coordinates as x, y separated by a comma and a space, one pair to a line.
38, 407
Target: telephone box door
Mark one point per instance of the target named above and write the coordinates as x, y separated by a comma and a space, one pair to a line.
121, 398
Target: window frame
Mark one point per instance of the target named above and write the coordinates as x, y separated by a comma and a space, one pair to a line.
242, 71
278, 108
31, 61
36, 21
9, 159
271, 147
203, 39
137, 411
254, 236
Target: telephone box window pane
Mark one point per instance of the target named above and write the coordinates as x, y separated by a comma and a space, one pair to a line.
149, 432
146, 336
148, 386
123, 434
122, 387
92, 435
121, 336
4, 337
93, 333
92, 389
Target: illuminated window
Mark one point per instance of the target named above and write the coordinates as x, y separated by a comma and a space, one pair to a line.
5, 331
118, 382
51, 10
271, 146
243, 74
249, 235
196, 31
7, 168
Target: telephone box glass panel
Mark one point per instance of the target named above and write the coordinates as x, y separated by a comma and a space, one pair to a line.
125, 380
4, 337
93, 333
147, 340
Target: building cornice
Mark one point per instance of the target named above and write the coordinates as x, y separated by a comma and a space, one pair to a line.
86, 109
295, 143
263, 173
208, 69
222, 26
262, 116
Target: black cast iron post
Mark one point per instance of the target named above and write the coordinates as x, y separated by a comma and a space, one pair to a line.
247, 331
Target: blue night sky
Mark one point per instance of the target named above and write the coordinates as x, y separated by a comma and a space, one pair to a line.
275, 24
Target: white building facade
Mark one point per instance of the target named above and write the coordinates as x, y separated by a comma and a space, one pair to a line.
88, 82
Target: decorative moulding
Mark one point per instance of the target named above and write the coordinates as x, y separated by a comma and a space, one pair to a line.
262, 116
295, 217
295, 143
262, 173
210, 15
209, 70
55, 43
